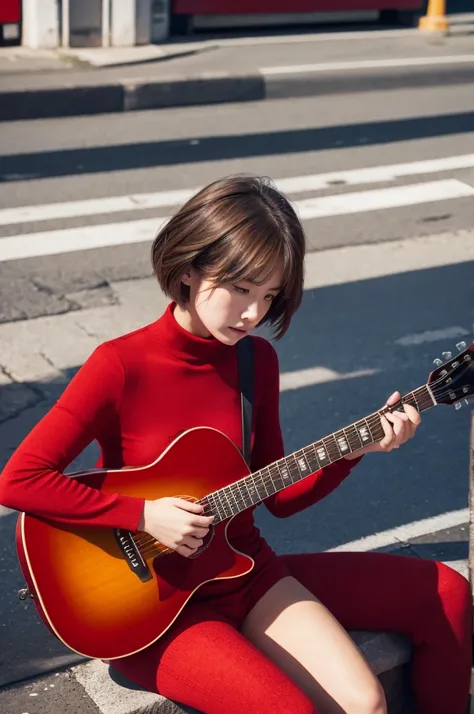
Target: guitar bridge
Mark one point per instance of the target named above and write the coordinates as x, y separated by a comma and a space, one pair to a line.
132, 555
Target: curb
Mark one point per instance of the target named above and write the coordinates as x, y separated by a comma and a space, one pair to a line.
137, 94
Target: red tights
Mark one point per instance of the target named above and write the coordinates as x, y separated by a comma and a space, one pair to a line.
206, 663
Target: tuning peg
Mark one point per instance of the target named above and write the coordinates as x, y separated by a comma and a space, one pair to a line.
461, 346
458, 405
438, 362
446, 355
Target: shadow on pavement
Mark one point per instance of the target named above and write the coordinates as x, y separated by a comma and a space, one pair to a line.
48, 164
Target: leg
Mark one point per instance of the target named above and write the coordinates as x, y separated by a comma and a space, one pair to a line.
296, 631
204, 662
426, 601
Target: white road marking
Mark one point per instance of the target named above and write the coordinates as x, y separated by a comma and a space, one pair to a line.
88, 237
339, 266
382, 198
404, 533
367, 64
418, 338
318, 375
94, 206
291, 185
69, 240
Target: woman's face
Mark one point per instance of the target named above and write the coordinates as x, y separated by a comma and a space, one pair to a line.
226, 311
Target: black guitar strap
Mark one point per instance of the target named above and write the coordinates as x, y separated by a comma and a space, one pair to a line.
246, 380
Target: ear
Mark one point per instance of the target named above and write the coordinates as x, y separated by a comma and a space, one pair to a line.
186, 278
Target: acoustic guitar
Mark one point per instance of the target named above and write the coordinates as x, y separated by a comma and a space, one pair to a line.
109, 593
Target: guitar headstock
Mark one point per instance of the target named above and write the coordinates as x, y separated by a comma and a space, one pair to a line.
452, 381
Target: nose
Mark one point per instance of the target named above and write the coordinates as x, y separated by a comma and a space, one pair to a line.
251, 312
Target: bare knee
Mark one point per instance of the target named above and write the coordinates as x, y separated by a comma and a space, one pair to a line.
370, 700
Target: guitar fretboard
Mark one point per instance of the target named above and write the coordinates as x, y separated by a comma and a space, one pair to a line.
254, 488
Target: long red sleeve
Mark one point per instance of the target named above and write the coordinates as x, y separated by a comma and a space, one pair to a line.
269, 448
32, 480
134, 396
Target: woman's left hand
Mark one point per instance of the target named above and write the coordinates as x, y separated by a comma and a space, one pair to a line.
398, 426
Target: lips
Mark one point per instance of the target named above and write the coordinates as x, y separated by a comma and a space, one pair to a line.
238, 329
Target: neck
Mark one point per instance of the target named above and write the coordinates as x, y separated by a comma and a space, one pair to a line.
190, 322
254, 488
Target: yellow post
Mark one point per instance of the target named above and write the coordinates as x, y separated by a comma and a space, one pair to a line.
435, 18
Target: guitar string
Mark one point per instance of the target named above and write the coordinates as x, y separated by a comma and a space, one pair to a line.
148, 545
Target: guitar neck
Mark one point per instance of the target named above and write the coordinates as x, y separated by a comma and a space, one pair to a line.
254, 488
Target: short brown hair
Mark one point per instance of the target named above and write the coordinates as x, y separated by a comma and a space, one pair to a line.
235, 229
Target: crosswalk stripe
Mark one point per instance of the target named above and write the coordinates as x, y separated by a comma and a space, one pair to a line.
88, 237
394, 197
69, 240
291, 185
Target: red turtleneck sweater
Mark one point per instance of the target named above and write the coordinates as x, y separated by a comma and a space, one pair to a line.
134, 395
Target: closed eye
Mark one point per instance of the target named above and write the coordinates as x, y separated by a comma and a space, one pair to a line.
244, 291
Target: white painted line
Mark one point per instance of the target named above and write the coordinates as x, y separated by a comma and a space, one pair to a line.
93, 207
396, 196
372, 174
402, 534
340, 266
69, 240
292, 185
366, 64
318, 375
418, 338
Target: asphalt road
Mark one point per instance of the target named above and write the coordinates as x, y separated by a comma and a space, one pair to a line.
92, 157
355, 325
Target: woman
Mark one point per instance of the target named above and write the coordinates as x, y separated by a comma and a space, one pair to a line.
275, 639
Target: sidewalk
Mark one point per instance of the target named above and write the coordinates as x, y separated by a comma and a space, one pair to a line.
90, 81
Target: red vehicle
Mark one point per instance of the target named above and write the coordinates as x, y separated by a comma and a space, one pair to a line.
10, 22
189, 14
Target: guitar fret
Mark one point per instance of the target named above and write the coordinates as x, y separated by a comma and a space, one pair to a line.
311, 458
276, 477
245, 494
321, 453
366, 422
354, 438
294, 470
331, 448
238, 497
284, 472
270, 481
302, 464
227, 504
342, 442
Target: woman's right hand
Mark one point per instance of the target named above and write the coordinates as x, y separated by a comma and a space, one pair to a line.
176, 523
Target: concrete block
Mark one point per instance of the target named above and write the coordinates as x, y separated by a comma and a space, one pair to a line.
387, 653
205, 89
62, 101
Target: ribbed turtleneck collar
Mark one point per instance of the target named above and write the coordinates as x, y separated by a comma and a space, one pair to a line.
185, 345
